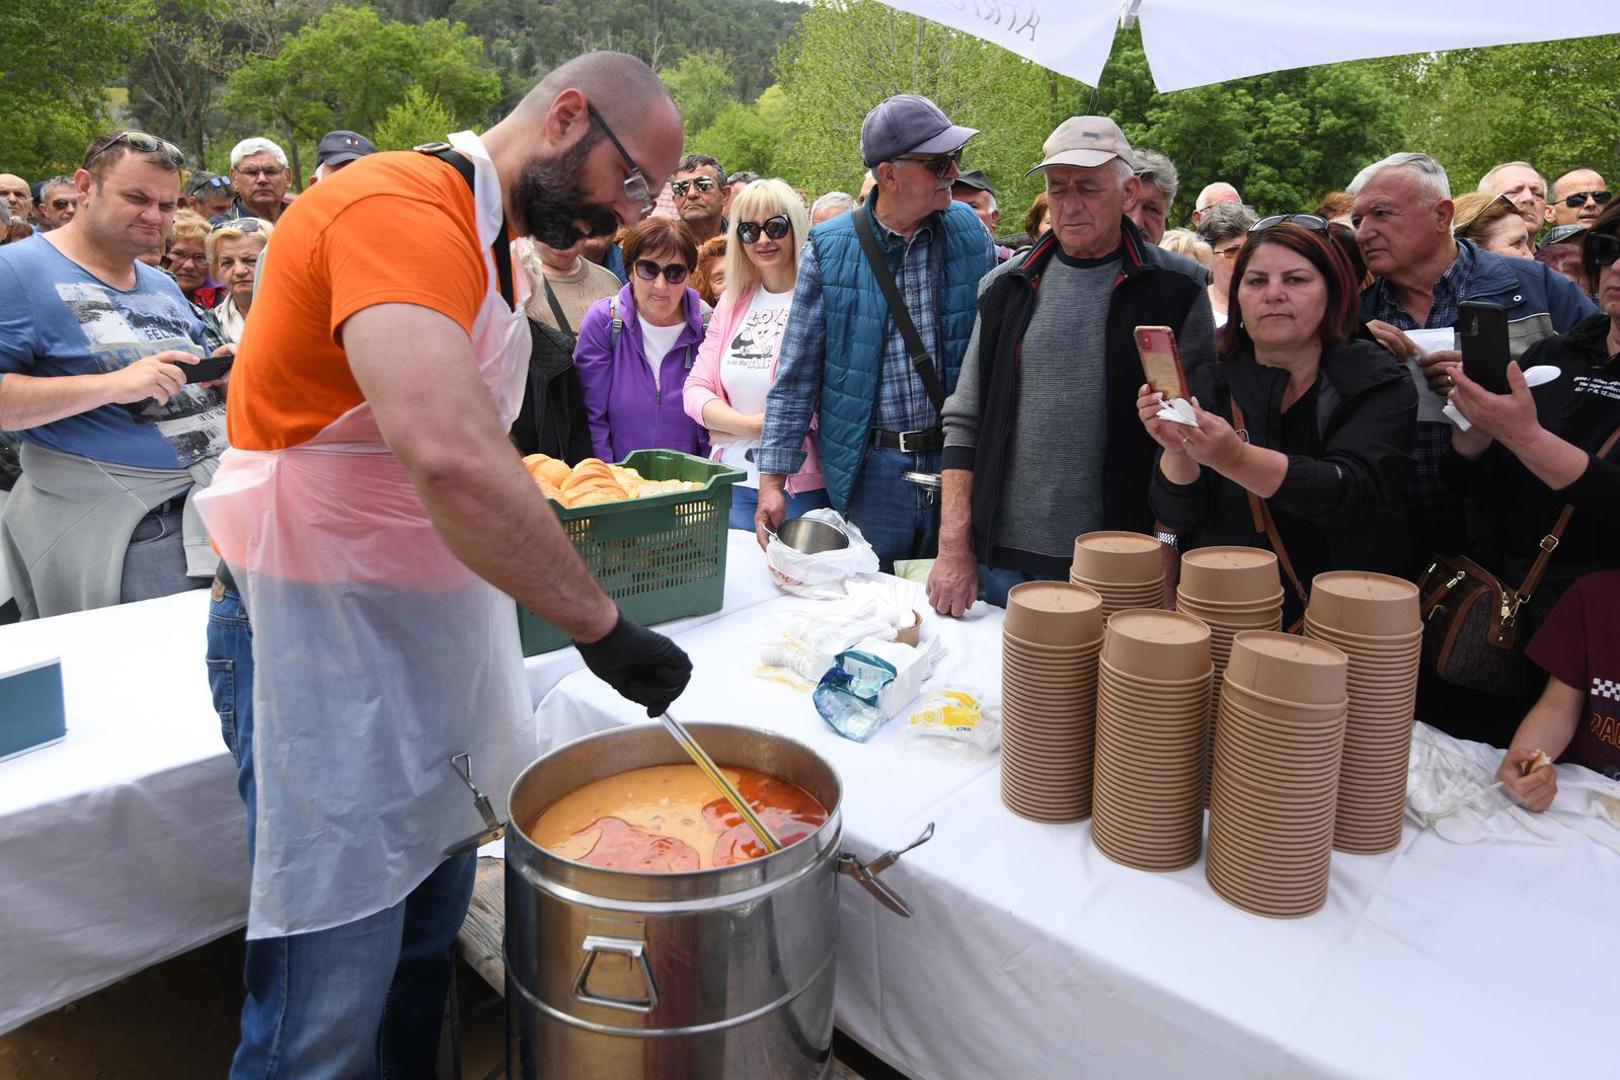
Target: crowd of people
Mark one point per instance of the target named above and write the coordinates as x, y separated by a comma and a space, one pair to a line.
312, 402
992, 417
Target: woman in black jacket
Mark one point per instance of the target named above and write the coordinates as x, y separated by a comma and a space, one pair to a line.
1330, 420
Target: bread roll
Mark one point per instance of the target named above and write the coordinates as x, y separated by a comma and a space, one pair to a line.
553, 471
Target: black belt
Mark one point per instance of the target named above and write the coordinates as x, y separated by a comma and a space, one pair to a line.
223, 576
911, 442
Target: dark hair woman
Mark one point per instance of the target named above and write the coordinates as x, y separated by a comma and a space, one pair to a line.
1327, 419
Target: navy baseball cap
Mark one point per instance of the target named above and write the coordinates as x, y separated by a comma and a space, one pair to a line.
342, 147
909, 124
975, 179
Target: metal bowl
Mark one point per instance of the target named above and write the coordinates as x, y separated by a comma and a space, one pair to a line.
811, 536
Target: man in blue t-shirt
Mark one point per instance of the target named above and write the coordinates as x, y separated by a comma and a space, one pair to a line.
115, 437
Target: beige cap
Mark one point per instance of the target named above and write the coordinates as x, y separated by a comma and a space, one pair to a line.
1086, 141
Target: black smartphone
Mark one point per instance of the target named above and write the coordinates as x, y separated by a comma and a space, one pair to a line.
1482, 331
207, 369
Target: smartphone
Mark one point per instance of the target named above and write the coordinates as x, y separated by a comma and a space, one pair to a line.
207, 369
1482, 332
1161, 361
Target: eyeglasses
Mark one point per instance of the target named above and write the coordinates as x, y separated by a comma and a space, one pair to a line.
1578, 199
61, 204
221, 184
268, 172
241, 225
680, 187
774, 227
938, 164
1304, 221
178, 257
1600, 250
146, 144
674, 273
636, 188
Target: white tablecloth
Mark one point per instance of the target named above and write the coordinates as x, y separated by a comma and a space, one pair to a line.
124, 844
1032, 955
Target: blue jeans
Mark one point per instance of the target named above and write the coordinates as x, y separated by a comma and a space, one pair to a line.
898, 518
997, 583
155, 561
745, 500
365, 999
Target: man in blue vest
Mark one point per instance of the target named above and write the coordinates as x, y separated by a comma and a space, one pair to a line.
843, 356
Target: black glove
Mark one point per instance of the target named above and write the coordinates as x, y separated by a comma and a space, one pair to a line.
641, 664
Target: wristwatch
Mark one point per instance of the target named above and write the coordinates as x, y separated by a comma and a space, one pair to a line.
1166, 538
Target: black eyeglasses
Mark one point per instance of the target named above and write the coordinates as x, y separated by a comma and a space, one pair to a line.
680, 187
773, 227
674, 273
938, 164
1578, 199
636, 187
62, 204
1304, 221
1600, 250
146, 144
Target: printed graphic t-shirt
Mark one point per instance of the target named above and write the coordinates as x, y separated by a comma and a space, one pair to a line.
1579, 645
391, 228
745, 368
56, 318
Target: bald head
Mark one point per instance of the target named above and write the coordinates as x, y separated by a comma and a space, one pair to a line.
14, 193
1213, 195
624, 90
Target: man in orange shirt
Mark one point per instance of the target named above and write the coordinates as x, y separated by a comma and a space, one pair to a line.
374, 523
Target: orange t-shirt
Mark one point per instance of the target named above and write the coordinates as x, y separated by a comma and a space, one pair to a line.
392, 228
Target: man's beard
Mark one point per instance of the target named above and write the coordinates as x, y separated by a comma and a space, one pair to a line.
550, 198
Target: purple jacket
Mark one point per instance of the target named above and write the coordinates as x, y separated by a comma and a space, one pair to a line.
624, 407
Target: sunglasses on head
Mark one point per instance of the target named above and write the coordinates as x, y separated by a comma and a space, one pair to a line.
243, 225
938, 164
1578, 199
1305, 221
146, 144
774, 227
1461, 224
674, 273
680, 187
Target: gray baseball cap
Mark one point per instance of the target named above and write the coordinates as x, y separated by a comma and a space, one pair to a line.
909, 124
1086, 141
1561, 234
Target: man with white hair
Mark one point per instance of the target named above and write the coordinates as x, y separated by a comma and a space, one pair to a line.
1214, 195
1526, 187
830, 205
1042, 442
1149, 208
260, 175
1403, 216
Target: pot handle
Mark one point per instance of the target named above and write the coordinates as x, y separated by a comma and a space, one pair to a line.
867, 874
594, 946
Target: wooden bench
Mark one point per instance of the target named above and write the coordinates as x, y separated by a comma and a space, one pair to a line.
480, 942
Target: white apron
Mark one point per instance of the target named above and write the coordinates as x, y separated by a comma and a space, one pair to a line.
377, 654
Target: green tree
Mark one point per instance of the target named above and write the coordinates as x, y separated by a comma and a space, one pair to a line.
418, 118
702, 85
63, 54
350, 66
746, 137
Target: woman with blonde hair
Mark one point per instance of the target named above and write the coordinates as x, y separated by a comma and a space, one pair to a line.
233, 249
188, 261
726, 389
1483, 217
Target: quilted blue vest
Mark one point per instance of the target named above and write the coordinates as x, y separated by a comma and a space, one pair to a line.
857, 321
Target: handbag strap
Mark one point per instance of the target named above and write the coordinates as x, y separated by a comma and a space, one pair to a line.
1549, 543
556, 308
920, 360
1265, 523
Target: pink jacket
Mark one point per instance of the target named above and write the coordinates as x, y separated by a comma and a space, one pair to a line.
703, 385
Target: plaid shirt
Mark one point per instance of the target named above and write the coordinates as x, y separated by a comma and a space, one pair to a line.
1448, 293
1435, 510
902, 403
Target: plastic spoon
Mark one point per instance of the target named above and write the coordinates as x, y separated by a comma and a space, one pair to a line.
706, 765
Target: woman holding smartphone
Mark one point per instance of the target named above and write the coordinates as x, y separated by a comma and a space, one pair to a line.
1298, 418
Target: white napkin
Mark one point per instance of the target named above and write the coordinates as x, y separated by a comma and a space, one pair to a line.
1536, 376
1177, 411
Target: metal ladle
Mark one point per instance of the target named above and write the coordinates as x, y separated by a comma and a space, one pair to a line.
705, 763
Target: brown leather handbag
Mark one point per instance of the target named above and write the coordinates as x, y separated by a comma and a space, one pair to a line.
1471, 629
1265, 523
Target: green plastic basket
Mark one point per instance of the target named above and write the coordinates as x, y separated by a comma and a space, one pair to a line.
660, 558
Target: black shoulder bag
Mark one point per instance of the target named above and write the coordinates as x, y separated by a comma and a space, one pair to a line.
921, 362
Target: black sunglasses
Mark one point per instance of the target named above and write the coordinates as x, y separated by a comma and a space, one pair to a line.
636, 187
1304, 221
680, 187
1599, 250
774, 227
674, 273
146, 144
939, 164
1578, 199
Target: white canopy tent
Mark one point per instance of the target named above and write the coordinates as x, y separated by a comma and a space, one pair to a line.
1196, 42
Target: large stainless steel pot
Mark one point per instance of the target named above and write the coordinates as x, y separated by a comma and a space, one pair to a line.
723, 973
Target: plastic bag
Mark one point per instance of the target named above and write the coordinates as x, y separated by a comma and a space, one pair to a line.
872, 682
822, 575
960, 721
807, 643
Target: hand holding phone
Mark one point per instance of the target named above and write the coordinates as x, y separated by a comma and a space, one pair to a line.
1482, 332
1161, 361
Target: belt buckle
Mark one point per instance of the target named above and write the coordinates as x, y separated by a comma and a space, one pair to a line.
905, 441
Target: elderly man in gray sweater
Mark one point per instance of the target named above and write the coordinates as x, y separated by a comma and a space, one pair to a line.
1042, 441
